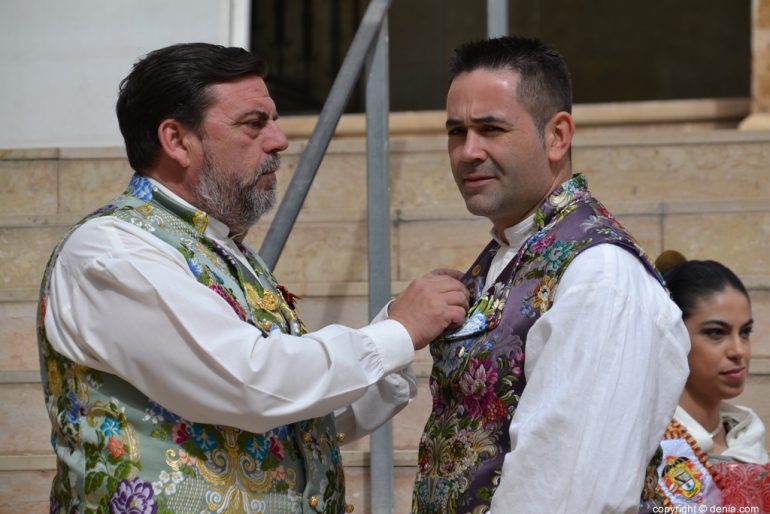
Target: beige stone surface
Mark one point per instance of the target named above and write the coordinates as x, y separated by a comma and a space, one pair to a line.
760, 62
738, 240
18, 348
755, 396
25, 492
29, 187
86, 184
423, 180
318, 312
760, 307
24, 425
24, 253
339, 184
675, 173
324, 251
426, 245
646, 229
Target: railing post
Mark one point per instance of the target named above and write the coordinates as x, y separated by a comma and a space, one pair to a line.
378, 230
497, 18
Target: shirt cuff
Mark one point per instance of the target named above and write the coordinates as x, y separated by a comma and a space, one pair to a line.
393, 344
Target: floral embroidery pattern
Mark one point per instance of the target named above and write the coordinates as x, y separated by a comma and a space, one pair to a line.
133, 497
140, 187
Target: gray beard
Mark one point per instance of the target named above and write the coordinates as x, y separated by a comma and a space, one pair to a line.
237, 202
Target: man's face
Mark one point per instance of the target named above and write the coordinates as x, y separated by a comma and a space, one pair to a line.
498, 158
240, 141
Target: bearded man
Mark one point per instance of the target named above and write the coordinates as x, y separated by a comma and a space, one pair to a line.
170, 356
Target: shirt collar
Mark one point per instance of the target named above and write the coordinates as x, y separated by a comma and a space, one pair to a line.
211, 226
516, 234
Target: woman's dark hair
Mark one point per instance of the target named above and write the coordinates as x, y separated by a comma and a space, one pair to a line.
173, 83
691, 281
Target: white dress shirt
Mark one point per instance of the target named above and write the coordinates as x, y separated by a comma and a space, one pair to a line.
605, 367
745, 440
124, 302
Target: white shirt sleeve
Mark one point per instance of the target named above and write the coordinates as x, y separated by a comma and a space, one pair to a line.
124, 302
381, 401
605, 367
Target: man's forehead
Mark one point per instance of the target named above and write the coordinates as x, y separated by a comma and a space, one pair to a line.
483, 77
243, 96
483, 87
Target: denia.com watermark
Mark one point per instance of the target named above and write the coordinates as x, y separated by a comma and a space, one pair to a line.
706, 509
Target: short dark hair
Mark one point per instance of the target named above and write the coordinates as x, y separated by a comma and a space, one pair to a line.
545, 87
174, 83
693, 281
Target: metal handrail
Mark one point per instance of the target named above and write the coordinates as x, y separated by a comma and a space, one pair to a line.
370, 44
310, 160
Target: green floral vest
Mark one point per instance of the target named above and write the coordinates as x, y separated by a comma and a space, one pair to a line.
119, 451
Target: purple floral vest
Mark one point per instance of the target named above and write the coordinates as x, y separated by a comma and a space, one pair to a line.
478, 370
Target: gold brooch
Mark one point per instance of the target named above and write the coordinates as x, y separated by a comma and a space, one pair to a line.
145, 210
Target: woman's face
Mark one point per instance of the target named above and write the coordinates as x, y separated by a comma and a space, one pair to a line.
719, 329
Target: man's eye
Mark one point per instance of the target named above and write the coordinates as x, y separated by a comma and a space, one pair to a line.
457, 131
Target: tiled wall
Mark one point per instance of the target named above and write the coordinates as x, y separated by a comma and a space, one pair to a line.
706, 194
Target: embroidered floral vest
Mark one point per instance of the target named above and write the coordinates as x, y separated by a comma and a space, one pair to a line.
118, 451
478, 370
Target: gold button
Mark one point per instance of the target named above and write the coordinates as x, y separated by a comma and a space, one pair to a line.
340, 438
313, 501
307, 437
349, 508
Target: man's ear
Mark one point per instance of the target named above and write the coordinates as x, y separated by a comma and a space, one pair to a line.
558, 136
176, 141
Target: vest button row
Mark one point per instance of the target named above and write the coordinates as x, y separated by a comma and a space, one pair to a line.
340, 438
349, 508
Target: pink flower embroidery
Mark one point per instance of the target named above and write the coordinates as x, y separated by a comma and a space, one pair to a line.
544, 243
477, 387
179, 433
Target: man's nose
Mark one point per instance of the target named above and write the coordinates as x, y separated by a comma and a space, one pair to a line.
275, 138
473, 147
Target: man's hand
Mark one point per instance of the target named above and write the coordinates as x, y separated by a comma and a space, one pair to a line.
430, 304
